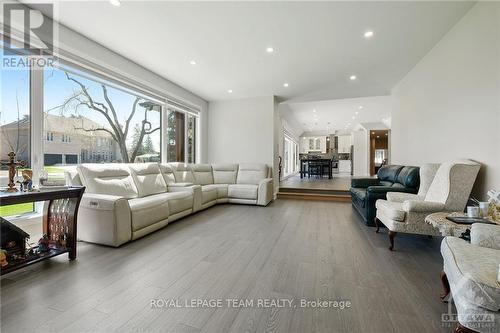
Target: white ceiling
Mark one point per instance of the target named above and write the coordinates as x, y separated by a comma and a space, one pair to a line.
317, 44
338, 114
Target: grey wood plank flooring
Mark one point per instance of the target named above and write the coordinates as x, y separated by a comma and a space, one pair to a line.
291, 249
338, 182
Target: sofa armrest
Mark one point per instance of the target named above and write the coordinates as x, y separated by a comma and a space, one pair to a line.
364, 182
373, 193
179, 185
265, 192
419, 206
485, 235
387, 189
195, 190
104, 219
402, 196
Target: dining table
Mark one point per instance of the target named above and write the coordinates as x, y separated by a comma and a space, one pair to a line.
323, 161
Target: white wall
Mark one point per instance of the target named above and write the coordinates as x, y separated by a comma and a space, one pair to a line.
448, 106
241, 131
361, 152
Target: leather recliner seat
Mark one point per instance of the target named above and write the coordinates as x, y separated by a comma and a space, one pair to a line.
123, 202
390, 178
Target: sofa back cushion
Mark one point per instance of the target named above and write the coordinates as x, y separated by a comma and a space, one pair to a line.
453, 183
251, 173
167, 172
225, 173
409, 177
148, 178
427, 173
202, 174
182, 173
389, 173
110, 178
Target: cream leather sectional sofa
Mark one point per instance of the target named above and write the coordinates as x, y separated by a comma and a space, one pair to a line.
123, 202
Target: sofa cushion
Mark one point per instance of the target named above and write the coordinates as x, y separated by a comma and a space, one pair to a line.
225, 173
202, 174
148, 210
148, 178
389, 173
110, 178
221, 189
182, 173
208, 194
409, 177
472, 272
242, 191
392, 210
167, 171
359, 194
251, 173
180, 201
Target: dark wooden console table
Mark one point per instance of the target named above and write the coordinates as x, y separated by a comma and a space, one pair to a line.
60, 213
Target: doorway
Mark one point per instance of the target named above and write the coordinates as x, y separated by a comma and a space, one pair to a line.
379, 150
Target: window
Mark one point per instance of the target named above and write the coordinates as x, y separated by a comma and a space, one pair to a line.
97, 122
181, 137
291, 156
15, 128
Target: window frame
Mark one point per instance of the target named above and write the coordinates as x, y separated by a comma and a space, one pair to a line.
67, 61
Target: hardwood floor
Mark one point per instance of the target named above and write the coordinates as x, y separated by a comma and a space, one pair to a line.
291, 249
339, 182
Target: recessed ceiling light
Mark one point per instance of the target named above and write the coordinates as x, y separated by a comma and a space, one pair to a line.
192, 62
314, 110
368, 34
230, 91
373, 133
378, 136
386, 134
360, 107
353, 117
285, 85
353, 77
116, 3
356, 112
269, 50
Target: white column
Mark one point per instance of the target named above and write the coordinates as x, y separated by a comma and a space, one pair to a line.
36, 116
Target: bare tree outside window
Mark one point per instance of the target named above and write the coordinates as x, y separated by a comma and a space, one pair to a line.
128, 124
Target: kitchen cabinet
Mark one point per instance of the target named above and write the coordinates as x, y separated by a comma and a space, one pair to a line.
315, 144
344, 142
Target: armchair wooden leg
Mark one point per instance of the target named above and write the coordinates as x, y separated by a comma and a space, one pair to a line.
462, 329
376, 224
446, 287
392, 234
